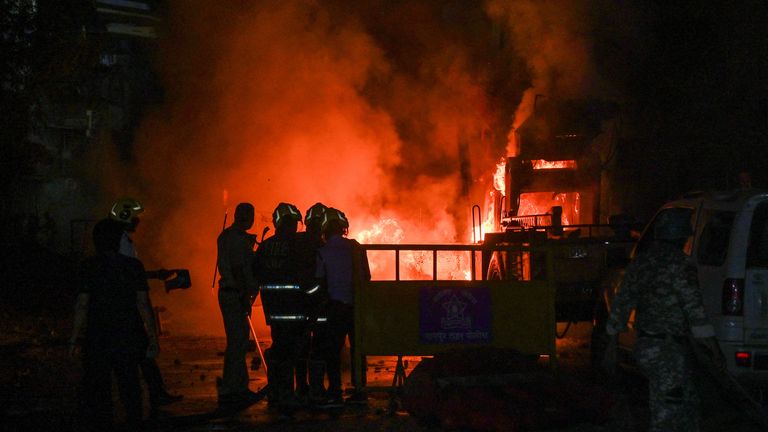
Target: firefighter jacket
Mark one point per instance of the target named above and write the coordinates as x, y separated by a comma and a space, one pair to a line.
235, 261
661, 285
307, 246
276, 267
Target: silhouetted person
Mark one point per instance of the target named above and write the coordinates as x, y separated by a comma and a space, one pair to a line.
125, 214
114, 310
237, 285
341, 265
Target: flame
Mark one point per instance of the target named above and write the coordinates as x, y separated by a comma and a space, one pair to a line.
386, 231
414, 265
301, 105
536, 203
498, 177
418, 264
545, 164
489, 224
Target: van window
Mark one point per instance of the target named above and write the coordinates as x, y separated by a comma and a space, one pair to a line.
713, 243
649, 234
757, 251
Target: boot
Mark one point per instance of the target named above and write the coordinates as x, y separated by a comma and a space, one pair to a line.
272, 395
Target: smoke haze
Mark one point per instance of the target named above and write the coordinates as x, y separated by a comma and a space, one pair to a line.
392, 111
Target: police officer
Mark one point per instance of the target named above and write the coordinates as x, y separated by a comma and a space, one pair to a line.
237, 286
307, 245
661, 285
341, 263
276, 264
125, 214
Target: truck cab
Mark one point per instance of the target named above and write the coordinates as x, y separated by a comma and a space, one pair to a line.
551, 199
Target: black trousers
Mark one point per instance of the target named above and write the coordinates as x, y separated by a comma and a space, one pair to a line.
301, 367
284, 353
235, 316
98, 367
330, 342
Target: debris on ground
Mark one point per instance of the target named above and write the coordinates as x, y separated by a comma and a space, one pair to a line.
497, 389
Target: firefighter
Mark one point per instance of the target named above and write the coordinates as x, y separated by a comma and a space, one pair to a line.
661, 285
125, 213
284, 305
341, 264
112, 303
237, 286
308, 243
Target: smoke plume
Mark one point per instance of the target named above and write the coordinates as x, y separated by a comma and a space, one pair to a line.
394, 112
555, 39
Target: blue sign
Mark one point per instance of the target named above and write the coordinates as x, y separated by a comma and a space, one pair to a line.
454, 315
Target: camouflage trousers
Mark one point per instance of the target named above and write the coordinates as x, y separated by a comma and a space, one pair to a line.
673, 401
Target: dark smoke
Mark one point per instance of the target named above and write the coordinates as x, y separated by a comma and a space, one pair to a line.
388, 111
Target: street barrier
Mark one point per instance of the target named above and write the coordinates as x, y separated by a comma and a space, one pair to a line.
425, 317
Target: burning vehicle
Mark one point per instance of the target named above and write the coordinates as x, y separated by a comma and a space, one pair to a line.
539, 230
552, 199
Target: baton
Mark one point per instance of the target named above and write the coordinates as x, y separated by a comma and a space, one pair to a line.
258, 345
216, 266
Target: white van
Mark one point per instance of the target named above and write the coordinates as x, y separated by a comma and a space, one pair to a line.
730, 248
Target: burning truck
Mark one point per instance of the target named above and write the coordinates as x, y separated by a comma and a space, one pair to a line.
539, 255
553, 197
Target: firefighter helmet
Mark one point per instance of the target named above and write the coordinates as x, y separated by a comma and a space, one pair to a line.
285, 212
317, 211
334, 217
673, 224
125, 210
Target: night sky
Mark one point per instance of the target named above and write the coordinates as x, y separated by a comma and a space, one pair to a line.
700, 90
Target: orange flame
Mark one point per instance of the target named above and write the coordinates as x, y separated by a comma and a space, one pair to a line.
535, 203
545, 164
386, 231
498, 177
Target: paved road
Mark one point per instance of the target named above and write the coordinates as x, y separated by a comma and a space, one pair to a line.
38, 391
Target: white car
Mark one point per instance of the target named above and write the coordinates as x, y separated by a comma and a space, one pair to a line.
730, 249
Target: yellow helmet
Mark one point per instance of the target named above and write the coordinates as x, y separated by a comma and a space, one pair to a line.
285, 212
125, 209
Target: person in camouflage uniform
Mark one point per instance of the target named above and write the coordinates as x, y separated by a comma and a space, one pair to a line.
661, 285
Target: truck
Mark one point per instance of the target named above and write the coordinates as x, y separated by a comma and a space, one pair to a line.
543, 259
552, 199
